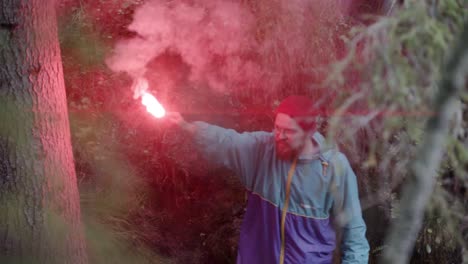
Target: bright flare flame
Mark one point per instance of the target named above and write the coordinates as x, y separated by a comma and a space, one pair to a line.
152, 105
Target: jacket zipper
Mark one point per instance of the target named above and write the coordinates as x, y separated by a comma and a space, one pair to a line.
285, 209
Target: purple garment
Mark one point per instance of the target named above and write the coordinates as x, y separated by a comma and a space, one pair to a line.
308, 240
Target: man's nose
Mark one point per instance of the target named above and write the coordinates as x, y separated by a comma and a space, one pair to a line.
281, 134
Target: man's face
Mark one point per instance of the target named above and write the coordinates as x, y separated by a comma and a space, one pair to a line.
290, 138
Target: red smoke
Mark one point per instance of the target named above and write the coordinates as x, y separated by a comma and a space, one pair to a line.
262, 45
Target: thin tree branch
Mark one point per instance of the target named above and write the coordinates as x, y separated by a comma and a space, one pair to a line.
388, 6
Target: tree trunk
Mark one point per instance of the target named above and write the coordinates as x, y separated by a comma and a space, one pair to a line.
39, 201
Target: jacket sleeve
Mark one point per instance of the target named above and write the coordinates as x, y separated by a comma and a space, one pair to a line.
240, 152
354, 245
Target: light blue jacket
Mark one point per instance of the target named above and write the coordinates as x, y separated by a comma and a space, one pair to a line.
292, 227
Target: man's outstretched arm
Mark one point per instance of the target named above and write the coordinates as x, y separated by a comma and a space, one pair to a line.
239, 152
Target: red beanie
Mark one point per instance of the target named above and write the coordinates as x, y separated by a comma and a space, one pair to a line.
302, 109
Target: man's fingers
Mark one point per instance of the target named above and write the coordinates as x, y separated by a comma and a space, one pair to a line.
174, 117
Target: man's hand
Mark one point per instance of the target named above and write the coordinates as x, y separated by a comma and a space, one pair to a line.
175, 118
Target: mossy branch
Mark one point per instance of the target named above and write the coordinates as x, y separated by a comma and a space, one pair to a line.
423, 170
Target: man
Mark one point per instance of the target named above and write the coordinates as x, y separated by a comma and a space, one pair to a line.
298, 185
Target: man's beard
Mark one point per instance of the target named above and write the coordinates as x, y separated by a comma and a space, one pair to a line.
284, 151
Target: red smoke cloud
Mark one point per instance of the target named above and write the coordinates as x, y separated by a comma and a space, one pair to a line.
228, 45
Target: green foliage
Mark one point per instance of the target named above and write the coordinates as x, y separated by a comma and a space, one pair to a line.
79, 38
400, 59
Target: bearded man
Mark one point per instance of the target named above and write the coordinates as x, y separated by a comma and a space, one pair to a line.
298, 185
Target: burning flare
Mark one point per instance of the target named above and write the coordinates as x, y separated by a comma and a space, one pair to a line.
152, 105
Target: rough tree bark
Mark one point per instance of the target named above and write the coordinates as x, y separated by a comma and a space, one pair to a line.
39, 200
420, 182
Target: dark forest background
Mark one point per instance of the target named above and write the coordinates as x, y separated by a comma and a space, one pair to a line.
148, 196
